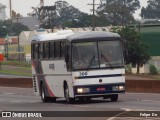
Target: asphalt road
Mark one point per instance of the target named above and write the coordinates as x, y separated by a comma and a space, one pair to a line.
23, 99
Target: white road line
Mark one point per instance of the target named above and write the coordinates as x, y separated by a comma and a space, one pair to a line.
8, 93
112, 118
150, 101
142, 93
81, 106
126, 109
16, 101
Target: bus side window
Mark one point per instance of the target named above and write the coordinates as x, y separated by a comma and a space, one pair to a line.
33, 51
36, 51
62, 49
51, 50
68, 56
40, 50
57, 50
45, 50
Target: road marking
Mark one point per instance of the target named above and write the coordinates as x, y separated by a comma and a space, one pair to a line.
16, 101
8, 93
81, 106
112, 118
126, 109
150, 101
142, 93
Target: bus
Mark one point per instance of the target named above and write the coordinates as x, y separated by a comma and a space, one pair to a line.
78, 66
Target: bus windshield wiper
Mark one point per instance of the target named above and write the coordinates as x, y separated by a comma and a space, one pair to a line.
90, 62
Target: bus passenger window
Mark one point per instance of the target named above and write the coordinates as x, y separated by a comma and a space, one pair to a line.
62, 49
57, 50
46, 50
33, 51
68, 56
41, 51
36, 54
51, 50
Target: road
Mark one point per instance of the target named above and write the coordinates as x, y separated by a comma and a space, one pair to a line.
23, 99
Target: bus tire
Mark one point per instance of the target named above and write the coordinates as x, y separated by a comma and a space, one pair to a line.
114, 98
66, 94
43, 94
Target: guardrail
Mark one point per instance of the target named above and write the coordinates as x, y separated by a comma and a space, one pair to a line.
143, 86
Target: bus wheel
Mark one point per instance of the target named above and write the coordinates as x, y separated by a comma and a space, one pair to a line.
66, 93
114, 98
43, 94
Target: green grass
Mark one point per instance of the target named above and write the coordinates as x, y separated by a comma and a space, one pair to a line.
16, 63
16, 68
11, 72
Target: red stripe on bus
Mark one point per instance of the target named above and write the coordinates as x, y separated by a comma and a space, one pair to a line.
49, 90
33, 65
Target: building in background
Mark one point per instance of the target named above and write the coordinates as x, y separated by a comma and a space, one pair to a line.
150, 35
31, 22
2, 12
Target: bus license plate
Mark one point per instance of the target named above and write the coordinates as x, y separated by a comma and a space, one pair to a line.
101, 89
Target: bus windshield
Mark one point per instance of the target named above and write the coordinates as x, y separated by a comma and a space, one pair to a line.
101, 54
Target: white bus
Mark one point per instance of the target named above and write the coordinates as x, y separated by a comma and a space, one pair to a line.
80, 65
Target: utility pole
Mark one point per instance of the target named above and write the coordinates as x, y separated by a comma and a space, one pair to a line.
93, 20
42, 8
10, 5
93, 29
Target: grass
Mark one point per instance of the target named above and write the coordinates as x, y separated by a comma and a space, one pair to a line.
16, 68
11, 72
17, 63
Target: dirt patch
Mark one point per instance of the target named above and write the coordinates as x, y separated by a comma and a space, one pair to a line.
16, 82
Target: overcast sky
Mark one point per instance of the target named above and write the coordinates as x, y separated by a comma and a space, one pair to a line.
24, 6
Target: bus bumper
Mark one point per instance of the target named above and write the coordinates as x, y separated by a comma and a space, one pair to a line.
98, 90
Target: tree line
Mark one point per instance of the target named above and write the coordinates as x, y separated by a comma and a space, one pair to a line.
108, 12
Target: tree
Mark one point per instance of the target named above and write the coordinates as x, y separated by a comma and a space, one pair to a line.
152, 11
3, 32
61, 14
118, 12
69, 16
12, 28
135, 52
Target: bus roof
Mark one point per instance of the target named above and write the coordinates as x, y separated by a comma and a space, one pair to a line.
71, 36
53, 36
92, 34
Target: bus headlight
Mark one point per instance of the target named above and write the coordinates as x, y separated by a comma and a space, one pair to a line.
118, 88
121, 88
83, 90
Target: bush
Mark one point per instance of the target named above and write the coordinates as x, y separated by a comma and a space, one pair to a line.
128, 69
153, 70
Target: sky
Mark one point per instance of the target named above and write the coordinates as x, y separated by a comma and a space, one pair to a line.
24, 6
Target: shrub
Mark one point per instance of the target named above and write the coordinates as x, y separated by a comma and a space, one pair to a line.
128, 69
153, 69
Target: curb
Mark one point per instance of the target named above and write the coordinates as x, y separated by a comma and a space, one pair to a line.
135, 86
